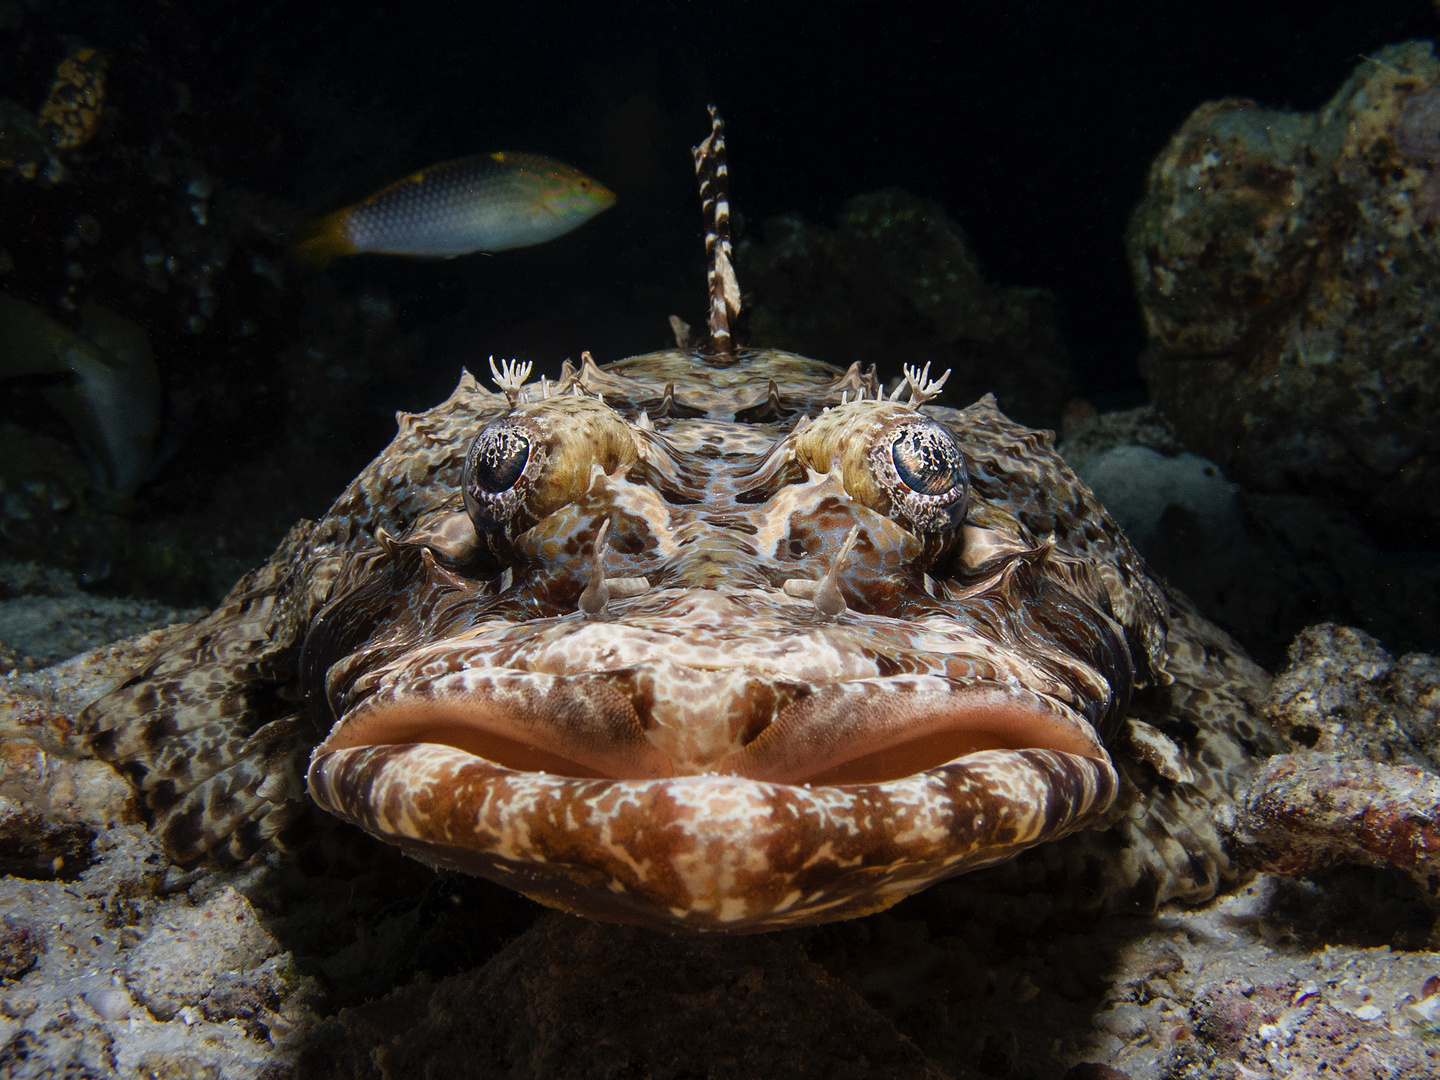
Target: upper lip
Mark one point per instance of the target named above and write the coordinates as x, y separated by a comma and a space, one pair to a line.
862, 731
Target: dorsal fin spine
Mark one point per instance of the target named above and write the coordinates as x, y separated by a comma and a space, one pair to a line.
714, 177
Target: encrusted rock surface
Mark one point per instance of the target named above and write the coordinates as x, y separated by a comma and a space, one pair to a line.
1365, 788
895, 282
1308, 811
181, 961
1284, 263
1293, 1027
1344, 695
71, 1010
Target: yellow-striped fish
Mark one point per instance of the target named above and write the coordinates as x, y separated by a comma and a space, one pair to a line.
489, 202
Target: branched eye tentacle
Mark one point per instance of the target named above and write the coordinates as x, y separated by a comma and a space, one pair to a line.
919, 384
511, 377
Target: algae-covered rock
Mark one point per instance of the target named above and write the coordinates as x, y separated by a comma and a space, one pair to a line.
1285, 264
1343, 693
1362, 786
896, 283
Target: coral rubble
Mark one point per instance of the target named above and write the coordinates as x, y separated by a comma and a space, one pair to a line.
1362, 785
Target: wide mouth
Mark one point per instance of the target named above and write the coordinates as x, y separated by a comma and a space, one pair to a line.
867, 732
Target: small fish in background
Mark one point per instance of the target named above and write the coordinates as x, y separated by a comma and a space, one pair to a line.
489, 202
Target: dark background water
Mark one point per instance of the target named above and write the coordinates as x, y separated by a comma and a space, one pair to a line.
1033, 123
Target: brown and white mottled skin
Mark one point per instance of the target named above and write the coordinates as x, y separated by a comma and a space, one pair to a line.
717, 640
666, 760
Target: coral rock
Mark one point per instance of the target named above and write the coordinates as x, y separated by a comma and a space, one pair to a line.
21, 944
1345, 695
1306, 811
1364, 789
1280, 1029
1284, 264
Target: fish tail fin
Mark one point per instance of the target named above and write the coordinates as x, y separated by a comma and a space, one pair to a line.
323, 239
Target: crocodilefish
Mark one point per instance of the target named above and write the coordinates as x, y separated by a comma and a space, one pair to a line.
488, 202
713, 638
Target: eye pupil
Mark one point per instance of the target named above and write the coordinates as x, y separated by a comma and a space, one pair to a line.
927, 461
498, 460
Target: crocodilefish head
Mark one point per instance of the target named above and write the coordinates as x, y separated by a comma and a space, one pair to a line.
730, 643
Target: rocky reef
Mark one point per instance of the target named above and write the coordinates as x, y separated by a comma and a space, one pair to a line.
1285, 264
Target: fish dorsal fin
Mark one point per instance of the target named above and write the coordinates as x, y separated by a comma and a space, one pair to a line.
715, 202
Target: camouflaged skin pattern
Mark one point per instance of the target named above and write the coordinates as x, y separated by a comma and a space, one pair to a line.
1169, 834
212, 729
214, 732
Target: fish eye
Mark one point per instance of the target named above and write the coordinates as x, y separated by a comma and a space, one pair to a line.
498, 458
496, 462
525, 465
922, 469
893, 459
927, 461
